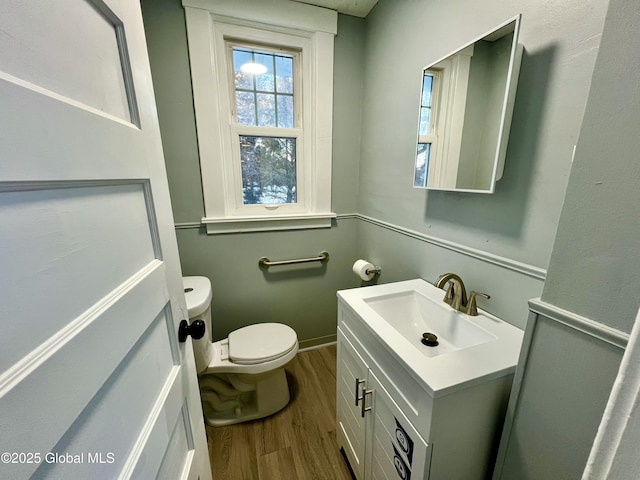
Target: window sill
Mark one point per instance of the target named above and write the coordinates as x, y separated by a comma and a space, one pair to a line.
218, 225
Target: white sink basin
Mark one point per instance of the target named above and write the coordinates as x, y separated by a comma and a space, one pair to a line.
470, 349
412, 314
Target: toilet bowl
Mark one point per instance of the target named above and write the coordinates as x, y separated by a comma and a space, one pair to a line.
242, 377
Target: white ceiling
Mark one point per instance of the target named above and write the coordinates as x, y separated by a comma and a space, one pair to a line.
357, 8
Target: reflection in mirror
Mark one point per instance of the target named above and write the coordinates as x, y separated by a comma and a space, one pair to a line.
465, 113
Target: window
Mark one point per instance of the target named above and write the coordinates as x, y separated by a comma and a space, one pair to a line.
442, 111
264, 95
262, 83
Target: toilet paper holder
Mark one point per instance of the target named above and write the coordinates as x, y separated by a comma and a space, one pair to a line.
375, 270
365, 270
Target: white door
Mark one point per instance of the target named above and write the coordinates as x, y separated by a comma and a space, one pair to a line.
93, 381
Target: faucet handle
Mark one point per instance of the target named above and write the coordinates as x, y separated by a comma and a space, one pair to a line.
472, 308
448, 297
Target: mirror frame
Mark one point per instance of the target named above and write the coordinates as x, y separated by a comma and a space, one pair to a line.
506, 113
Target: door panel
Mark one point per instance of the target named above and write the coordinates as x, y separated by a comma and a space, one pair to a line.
174, 460
62, 234
91, 287
81, 143
396, 446
43, 53
156, 444
145, 370
383, 466
350, 421
49, 388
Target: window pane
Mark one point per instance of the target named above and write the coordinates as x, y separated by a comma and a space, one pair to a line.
425, 104
422, 165
427, 89
246, 108
266, 110
284, 74
425, 120
285, 111
242, 80
268, 169
265, 82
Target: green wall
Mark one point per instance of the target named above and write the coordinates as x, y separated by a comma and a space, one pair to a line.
593, 276
165, 30
595, 265
518, 223
303, 297
565, 386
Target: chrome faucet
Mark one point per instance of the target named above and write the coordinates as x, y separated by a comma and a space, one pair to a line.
456, 295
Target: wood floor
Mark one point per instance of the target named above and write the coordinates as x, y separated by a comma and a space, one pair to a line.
299, 442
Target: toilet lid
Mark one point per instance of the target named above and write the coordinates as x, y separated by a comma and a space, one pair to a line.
197, 292
260, 343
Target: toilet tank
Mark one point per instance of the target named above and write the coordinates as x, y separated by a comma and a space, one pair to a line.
198, 294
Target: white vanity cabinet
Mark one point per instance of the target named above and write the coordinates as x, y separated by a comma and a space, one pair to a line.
378, 439
391, 426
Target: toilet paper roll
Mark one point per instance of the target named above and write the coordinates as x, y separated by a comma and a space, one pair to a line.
361, 267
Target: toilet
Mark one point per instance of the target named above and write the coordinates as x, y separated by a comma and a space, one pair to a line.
242, 377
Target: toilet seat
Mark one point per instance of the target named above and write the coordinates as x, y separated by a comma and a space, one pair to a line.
221, 363
262, 342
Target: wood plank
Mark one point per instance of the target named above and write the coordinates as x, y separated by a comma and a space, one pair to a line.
278, 464
275, 432
300, 440
233, 458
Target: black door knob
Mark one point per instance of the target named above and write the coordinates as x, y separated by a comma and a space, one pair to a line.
196, 330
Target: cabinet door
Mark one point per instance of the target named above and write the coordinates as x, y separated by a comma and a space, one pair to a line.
351, 383
395, 450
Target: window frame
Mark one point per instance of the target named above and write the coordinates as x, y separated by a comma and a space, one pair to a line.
236, 206
211, 28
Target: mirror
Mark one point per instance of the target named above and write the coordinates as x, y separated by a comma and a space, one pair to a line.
466, 105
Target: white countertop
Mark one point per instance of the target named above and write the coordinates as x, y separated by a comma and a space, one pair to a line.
449, 371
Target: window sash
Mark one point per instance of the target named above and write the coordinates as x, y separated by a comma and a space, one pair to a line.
234, 170
297, 78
